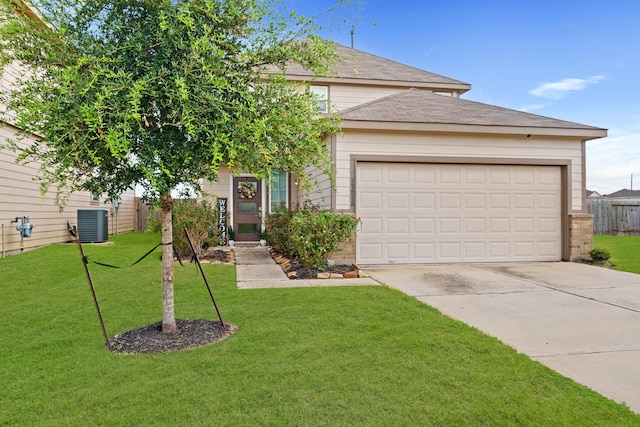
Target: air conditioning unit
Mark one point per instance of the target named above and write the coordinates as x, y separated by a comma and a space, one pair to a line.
93, 225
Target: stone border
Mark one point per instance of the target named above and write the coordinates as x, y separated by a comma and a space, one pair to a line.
285, 264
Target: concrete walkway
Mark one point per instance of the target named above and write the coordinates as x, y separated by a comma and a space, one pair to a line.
256, 269
582, 321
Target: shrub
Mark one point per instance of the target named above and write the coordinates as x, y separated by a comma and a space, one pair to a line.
599, 254
309, 234
200, 218
278, 225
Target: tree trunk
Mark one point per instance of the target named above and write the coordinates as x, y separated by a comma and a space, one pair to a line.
168, 314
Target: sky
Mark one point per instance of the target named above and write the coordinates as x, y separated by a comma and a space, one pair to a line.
574, 60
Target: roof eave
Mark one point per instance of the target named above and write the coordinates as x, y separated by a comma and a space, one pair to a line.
458, 87
585, 134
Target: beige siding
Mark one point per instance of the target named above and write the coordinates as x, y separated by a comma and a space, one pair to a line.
348, 96
6, 79
218, 188
344, 96
413, 145
322, 190
20, 196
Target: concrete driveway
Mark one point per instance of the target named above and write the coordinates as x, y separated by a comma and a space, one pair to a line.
582, 321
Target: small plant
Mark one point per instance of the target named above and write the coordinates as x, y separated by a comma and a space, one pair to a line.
599, 254
200, 218
232, 233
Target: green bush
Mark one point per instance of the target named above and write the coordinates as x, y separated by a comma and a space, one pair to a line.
599, 254
277, 225
200, 218
308, 234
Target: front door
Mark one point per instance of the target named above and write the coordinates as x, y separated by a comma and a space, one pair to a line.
247, 208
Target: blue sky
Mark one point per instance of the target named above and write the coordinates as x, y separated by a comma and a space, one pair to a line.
576, 60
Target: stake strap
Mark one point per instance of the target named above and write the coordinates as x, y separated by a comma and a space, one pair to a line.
85, 260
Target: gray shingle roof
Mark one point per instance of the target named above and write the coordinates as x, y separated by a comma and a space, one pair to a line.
625, 193
356, 64
419, 106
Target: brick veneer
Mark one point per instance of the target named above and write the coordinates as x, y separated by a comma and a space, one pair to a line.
346, 252
580, 235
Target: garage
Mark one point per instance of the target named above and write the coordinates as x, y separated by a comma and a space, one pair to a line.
449, 213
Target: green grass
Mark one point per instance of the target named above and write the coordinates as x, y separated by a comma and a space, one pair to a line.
624, 250
310, 356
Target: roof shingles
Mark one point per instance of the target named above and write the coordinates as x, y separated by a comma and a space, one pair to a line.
356, 64
419, 106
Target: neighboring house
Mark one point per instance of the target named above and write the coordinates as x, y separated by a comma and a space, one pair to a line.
434, 178
593, 195
624, 194
20, 196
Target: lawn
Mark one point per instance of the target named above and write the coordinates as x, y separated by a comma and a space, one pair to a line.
310, 356
624, 251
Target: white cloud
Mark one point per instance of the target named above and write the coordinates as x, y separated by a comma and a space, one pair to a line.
560, 89
532, 107
611, 162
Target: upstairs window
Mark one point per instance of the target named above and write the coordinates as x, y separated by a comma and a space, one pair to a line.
322, 97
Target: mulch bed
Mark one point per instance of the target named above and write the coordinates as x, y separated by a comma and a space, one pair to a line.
312, 272
303, 273
213, 256
190, 334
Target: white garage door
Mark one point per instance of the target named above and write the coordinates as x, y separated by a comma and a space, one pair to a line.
444, 213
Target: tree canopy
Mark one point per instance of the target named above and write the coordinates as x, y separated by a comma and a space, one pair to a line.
162, 92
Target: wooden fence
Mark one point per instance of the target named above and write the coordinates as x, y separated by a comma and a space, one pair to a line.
143, 212
615, 217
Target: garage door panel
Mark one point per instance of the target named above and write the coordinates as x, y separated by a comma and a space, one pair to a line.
499, 225
370, 201
498, 201
450, 201
426, 213
397, 201
474, 177
423, 226
424, 200
397, 176
475, 251
524, 177
398, 226
371, 226
499, 177
449, 251
546, 201
475, 226
449, 226
424, 251
548, 250
523, 201
474, 201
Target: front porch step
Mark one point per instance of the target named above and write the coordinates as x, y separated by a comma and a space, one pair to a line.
247, 244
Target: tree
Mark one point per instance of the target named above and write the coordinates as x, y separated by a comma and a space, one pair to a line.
160, 93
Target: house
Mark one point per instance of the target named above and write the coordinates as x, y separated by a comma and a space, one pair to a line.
20, 197
593, 195
434, 178
624, 194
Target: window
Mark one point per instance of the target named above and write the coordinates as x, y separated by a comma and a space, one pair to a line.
95, 199
278, 190
322, 97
